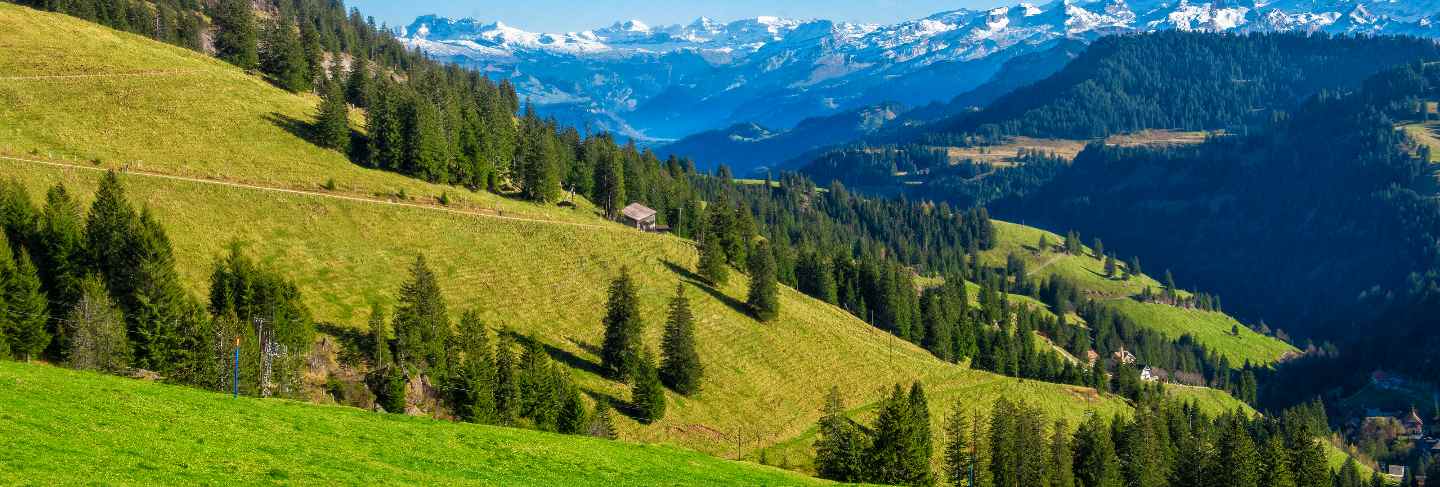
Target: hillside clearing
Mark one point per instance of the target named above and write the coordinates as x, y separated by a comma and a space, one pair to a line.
1210, 328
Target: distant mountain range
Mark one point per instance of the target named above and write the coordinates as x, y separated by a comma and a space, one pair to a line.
668, 82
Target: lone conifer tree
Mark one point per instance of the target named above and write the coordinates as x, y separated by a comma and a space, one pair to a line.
333, 123
623, 327
712, 257
422, 324
764, 299
648, 395
235, 34
680, 366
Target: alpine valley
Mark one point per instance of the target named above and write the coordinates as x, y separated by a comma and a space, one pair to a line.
746, 83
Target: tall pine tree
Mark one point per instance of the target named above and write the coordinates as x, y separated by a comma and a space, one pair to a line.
422, 323
332, 126
680, 366
764, 298
620, 352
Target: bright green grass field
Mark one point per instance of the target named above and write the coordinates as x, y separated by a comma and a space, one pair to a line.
1209, 328
186, 114
59, 426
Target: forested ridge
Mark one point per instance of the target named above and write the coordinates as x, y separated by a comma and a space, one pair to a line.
1184, 81
1173, 80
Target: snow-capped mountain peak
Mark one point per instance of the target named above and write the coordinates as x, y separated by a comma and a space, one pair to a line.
710, 74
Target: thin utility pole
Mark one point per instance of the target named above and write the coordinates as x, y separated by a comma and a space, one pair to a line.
236, 381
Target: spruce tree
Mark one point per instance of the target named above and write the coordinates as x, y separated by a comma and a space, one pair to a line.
620, 352
380, 354
476, 377
680, 367
422, 323
357, 85
235, 38
507, 388
921, 446
764, 298
1237, 461
712, 257
1275, 466
573, 418
61, 241
959, 453
839, 446
27, 309
283, 57
1096, 464
542, 166
609, 179
332, 126
648, 394
893, 455
425, 153
1134, 268
1005, 445
1060, 467
1110, 269
109, 233
159, 308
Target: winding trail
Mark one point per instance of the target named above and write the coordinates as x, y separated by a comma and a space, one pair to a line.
1047, 263
317, 194
137, 74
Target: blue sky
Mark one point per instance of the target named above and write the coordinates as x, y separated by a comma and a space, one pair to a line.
578, 15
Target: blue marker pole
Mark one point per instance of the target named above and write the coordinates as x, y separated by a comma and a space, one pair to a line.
236, 382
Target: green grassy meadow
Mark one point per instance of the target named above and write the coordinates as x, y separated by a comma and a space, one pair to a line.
1209, 328
63, 427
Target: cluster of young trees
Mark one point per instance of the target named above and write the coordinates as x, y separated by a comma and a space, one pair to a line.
895, 450
625, 357
1165, 443
510, 380
99, 290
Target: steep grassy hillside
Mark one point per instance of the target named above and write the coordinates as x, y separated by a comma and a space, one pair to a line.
538, 270
66, 427
79, 92
1210, 328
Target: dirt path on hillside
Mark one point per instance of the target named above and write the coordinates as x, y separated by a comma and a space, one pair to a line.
137, 74
1047, 263
318, 194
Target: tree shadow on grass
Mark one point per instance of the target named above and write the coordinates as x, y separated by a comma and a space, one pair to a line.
306, 131
572, 360
693, 278
620, 406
